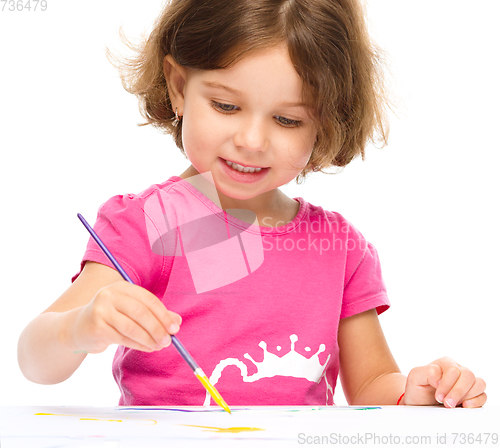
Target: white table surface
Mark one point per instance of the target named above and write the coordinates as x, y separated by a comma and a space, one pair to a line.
277, 426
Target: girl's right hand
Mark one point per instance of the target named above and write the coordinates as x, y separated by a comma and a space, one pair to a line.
124, 314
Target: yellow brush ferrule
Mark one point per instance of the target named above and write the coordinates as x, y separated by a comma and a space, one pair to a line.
211, 390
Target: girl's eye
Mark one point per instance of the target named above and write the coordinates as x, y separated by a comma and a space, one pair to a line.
228, 108
225, 108
287, 122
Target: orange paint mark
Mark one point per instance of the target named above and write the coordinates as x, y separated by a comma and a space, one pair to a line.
233, 430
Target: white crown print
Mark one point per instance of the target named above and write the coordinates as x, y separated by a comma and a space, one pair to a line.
292, 364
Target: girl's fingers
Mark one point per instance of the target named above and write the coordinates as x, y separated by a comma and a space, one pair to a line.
118, 338
421, 385
130, 315
127, 328
169, 320
446, 382
475, 402
428, 375
451, 374
474, 392
149, 322
456, 384
141, 321
458, 391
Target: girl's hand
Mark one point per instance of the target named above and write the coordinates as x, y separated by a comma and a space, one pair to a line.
123, 314
444, 381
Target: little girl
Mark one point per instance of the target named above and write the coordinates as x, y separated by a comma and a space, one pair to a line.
273, 296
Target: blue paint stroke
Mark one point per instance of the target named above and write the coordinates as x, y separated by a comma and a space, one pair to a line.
168, 409
348, 408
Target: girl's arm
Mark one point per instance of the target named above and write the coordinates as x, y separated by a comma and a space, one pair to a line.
370, 375
368, 371
97, 310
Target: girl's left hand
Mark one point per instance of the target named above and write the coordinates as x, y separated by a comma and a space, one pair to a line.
444, 381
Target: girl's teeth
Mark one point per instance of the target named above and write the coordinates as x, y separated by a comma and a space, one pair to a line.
242, 169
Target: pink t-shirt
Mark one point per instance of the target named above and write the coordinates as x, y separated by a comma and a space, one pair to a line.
260, 305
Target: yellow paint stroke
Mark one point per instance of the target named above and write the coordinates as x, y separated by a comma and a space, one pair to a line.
226, 430
101, 419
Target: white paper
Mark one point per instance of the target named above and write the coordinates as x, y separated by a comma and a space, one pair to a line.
44, 427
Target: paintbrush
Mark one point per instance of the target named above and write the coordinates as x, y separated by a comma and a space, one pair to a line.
183, 352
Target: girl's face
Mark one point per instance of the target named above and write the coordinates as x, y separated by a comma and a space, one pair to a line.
251, 114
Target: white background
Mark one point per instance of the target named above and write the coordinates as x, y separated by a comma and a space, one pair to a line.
428, 202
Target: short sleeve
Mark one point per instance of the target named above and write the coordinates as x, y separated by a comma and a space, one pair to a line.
364, 287
121, 226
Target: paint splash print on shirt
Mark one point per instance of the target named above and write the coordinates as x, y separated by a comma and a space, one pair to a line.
292, 364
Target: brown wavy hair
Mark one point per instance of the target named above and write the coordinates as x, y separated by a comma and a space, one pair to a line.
328, 44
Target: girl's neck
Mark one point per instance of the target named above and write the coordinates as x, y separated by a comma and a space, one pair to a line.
273, 208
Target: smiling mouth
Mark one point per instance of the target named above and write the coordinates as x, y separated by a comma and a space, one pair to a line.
242, 168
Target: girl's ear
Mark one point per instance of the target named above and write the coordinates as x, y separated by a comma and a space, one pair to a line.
175, 75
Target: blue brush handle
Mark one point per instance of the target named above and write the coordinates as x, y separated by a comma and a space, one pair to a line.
181, 349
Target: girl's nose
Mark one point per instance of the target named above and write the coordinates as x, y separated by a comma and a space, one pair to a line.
252, 135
